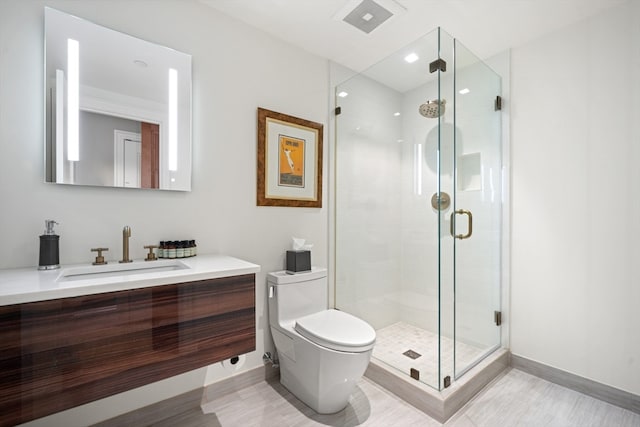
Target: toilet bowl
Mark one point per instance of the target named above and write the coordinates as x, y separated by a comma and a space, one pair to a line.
322, 352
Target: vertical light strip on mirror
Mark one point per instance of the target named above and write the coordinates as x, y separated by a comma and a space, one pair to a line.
59, 125
173, 119
73, 100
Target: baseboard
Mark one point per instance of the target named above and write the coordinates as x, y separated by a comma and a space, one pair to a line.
580, 384
162, 410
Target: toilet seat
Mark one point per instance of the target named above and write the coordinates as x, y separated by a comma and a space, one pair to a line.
337, 330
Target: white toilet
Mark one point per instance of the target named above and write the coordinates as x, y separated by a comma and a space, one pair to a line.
323, 352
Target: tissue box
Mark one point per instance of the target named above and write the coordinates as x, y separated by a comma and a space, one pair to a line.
298, 261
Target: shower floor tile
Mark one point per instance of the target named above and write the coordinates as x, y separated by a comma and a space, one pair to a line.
395, 340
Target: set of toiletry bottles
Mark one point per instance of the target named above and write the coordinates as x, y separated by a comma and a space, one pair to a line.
177, 249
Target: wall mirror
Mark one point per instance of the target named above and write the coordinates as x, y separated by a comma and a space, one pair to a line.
118, 109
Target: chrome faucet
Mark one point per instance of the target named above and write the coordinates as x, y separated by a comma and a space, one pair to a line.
126, 234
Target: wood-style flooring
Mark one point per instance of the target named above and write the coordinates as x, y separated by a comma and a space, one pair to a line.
513, 399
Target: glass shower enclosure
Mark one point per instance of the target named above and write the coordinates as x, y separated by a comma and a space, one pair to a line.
418, 207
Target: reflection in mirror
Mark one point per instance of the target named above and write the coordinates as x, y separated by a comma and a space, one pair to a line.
118, 109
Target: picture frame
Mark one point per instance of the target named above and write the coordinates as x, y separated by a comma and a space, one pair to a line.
289, 161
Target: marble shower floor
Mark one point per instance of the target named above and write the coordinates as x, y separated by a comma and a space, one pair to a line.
394, 340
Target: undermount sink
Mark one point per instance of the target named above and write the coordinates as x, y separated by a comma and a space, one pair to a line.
117, 269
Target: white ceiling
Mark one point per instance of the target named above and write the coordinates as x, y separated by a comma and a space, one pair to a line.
486, 27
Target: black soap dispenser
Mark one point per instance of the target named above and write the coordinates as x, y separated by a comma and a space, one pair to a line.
49, 247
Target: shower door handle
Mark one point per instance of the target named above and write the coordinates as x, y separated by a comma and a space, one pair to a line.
470, 224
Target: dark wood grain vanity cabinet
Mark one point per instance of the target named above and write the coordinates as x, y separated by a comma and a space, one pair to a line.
62, 353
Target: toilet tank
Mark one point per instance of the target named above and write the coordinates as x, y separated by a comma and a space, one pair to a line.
292, 296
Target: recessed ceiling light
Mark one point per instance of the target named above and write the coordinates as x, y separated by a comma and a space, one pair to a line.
397, 113
464, 91
343, 94
411, 58
367, 17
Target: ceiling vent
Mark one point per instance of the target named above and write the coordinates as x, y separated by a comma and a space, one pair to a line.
367, 15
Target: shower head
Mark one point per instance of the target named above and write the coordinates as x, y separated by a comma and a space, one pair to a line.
433, 109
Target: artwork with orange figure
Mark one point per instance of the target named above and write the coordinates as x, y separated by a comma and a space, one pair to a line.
291, 161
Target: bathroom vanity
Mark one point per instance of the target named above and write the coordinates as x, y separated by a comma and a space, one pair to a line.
82, 333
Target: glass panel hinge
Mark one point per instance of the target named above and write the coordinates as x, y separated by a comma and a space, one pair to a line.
447, 381
498, 103
497, 317
415, 374
438, 65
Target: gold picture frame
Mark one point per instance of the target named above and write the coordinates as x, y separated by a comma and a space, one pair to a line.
289, 161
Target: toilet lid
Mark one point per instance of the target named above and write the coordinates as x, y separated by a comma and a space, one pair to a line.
337, 330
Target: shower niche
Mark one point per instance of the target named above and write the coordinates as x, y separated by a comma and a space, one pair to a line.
469, 172
427, 278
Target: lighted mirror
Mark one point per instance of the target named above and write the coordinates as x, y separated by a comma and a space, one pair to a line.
118, 109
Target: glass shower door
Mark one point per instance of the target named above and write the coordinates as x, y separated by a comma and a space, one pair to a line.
476, 215
417, 126
387, 263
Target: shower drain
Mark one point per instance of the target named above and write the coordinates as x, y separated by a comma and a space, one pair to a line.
411, 354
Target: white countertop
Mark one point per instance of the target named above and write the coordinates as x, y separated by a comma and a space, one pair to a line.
23, 285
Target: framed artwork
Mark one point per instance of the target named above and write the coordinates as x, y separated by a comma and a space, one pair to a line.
289, 161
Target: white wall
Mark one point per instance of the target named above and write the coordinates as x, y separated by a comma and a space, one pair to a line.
235, 70
575, 206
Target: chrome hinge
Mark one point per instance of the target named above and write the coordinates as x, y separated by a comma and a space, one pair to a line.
497, 317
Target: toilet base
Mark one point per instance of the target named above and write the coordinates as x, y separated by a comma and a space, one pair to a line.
322, 402
321, 378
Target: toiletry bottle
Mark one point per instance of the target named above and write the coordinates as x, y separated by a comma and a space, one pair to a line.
161, 250
171, 247
165, 249
49, 247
